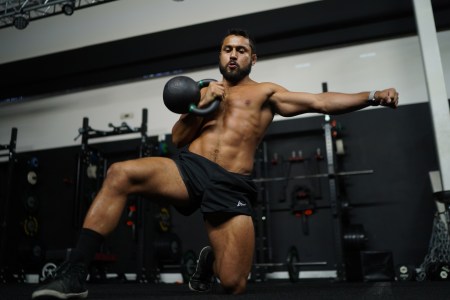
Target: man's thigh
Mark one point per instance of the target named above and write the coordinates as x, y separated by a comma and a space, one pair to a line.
156, 177
233, 242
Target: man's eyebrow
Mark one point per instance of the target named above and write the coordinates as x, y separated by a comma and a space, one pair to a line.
236, 46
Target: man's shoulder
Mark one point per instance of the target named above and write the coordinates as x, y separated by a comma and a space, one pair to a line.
260, 85
269, 85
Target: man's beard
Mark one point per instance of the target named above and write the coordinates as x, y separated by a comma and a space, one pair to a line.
236, 75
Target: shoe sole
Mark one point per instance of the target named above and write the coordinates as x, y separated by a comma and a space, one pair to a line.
58, 295
196, 269
199, 291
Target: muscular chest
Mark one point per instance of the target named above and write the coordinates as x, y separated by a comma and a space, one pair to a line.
241, 99
244, 111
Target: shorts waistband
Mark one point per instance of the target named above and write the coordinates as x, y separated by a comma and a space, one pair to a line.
243, 176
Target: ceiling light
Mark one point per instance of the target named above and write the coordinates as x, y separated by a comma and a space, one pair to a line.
367, 55
303, 65
20, 21
68, 7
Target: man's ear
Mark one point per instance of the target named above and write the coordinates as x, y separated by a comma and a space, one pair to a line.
254, 59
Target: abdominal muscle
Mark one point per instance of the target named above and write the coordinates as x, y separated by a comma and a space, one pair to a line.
231, 138
234, 157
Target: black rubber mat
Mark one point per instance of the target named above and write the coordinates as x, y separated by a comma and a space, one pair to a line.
257, 291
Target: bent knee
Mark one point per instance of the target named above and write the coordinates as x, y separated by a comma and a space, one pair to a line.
116, 176
235, 285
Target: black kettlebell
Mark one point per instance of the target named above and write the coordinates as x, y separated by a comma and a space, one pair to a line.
182, 94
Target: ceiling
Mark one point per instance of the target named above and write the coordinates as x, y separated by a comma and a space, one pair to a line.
30, 10
294, 29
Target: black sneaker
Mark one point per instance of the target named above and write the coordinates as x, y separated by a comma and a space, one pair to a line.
203, 278
69, 282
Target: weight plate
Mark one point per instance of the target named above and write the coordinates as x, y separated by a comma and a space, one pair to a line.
30, 226
31, 203
438, 271
32, 177
405, 273
340, 150
91, 171
444, 271
355, 237
48, 271
37, 253
164, 219
188, 265
34, 162
291, 260
168, 248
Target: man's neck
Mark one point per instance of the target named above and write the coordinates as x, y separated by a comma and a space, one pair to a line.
244, 80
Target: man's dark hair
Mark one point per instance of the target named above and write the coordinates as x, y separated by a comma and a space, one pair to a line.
241, 32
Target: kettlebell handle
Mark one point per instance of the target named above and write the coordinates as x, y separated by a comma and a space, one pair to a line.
211, 107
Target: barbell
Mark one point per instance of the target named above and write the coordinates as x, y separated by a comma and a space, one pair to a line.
320, 175
181, 95
292, 263
187, 266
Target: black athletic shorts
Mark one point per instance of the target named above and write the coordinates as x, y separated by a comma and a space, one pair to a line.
212, 188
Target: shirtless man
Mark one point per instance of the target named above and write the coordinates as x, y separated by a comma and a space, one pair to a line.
212, 171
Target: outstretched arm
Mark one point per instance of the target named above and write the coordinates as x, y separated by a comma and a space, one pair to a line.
288, 103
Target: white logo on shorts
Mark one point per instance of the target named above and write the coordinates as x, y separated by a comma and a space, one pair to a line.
241, 204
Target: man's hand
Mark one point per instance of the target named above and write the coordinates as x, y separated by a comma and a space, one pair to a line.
215, 90
387, 97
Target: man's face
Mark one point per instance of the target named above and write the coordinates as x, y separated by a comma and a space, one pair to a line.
236, 58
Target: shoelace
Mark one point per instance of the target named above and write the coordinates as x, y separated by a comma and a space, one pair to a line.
69, 270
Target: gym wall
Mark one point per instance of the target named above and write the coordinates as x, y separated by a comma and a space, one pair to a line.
54, 121
394, 203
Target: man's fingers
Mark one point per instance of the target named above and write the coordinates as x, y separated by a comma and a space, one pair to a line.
389, 97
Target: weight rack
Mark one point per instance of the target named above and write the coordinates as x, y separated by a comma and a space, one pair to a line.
263, 255
334, 202
12, 160
87, 134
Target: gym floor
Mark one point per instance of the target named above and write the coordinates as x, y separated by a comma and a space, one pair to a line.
277, 289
